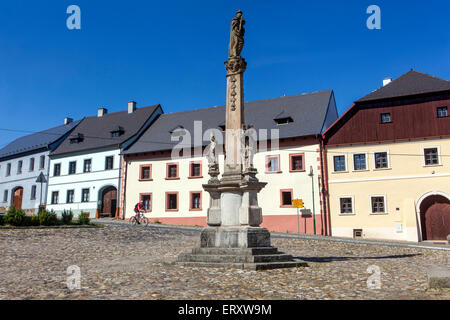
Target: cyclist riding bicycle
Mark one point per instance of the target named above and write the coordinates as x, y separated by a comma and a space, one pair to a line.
138, 208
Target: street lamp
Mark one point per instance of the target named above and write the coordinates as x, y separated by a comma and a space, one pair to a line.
311, 174
41, 179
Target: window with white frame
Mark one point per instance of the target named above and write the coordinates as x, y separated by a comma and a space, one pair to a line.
359, 161
378, 204
431, 156
346, 205
381, 160
339, 163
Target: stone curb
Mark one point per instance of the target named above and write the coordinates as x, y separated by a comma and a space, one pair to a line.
300, 236
50, 227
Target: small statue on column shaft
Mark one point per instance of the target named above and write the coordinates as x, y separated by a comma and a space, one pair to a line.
213, 162
212, 154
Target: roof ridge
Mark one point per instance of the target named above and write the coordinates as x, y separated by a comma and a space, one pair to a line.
116, 112
426, 74
412, 82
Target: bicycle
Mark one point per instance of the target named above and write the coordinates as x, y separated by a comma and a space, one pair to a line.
141, 218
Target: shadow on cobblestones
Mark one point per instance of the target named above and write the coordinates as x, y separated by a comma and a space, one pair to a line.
331, 259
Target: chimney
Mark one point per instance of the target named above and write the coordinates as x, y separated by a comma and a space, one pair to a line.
386, 81
67, 120
131, 106
101, 112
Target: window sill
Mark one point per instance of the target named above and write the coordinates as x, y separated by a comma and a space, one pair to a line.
378, 213
146, 179
360, 170
381, 169
195, 209
195, 177
171, 210
273, 172
347, 214
177, 178
337, 172
297, 170
432, 165
291, 206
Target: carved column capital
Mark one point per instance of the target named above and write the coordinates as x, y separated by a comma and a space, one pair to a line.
235, 65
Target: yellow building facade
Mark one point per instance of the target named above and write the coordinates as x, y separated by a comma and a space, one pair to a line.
402, 186
388, 162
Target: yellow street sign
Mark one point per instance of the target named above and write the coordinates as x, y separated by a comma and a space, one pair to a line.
297, 203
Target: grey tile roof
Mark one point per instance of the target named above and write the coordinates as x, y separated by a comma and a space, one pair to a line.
97, 130
307, 110
35, 141
410, 83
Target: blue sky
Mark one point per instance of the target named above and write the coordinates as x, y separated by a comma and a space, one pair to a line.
172, 53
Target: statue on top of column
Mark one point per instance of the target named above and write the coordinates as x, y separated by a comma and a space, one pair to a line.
236, 36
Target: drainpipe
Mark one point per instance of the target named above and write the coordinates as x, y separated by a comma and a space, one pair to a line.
119, 186
324, 178
124, 187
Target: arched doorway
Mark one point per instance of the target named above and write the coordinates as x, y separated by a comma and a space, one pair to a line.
17, 197
109, 201
435, 217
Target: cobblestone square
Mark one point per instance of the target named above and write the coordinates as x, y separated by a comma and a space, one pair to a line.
124, 262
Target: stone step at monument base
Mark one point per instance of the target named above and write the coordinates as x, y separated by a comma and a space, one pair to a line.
261, 258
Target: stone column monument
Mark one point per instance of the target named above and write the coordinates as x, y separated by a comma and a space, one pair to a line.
233, 237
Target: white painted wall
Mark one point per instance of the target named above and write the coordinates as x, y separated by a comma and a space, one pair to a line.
26, 180
95, 180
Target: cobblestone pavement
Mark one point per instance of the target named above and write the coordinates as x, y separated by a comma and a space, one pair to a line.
124, 262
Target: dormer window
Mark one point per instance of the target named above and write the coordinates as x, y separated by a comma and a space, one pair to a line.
178, 131
77, 139
117, 132
385, 118
284, 120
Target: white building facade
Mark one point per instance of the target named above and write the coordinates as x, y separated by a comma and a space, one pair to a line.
79, 182
22, 162
85, 170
